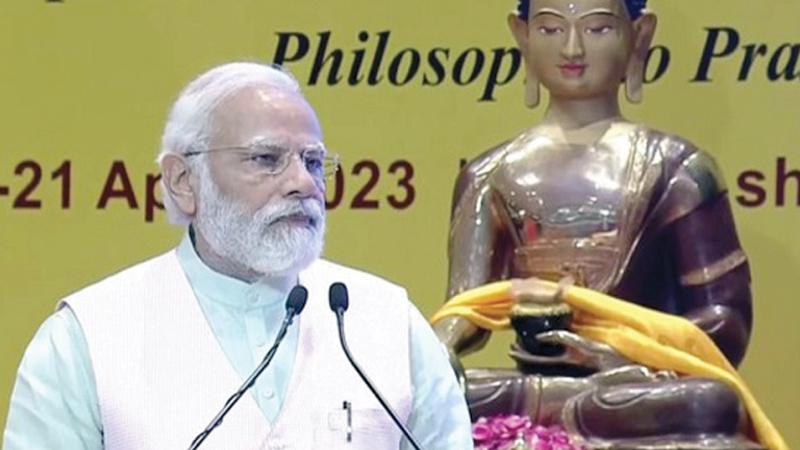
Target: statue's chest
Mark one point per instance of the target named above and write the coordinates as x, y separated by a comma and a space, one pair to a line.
564, 192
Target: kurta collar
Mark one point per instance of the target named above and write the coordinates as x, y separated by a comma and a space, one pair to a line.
220, 288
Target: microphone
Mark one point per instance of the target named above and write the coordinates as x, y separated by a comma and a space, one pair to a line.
339, 301
294, 306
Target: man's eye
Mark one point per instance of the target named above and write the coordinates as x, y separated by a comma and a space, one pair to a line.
314, 165
266, 158
547, 31
603, 29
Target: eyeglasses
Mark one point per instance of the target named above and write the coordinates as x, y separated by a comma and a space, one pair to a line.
270, 159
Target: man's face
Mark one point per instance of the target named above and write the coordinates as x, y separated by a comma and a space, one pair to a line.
270, 224
258, 115
579, 48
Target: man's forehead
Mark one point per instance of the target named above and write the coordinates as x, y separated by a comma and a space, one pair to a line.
577, 8
266, 112
262, 97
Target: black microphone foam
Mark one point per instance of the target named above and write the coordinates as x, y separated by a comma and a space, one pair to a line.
297, 299
337, 296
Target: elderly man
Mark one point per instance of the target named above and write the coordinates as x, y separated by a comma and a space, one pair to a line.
146, 357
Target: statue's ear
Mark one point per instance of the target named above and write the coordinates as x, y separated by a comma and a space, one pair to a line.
519, 29
644, 29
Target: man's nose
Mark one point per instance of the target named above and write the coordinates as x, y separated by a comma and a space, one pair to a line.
573, 47
299, 182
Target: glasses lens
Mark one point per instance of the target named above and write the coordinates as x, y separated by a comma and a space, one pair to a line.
314, 160
320, 164
271, 160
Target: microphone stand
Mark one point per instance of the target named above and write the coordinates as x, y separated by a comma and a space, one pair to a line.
247, 384
392, 414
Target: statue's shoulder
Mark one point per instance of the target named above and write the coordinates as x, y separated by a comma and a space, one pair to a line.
487, 162
478, 169
484, 161
684, 161
689, 175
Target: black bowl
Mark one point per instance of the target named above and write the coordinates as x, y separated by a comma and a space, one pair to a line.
527, 327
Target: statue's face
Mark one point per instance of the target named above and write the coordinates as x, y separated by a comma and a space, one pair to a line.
579, 48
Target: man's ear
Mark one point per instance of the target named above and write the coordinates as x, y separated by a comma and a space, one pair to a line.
175, 176
644, 29
519, 29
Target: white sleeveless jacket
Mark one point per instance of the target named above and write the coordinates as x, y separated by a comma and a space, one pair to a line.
162, 376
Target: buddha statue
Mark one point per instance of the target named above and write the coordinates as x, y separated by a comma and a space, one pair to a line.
613, 206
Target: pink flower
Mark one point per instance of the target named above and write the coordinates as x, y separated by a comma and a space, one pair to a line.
481, 431
503, 431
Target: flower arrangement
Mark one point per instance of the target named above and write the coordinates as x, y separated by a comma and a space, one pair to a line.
513, 432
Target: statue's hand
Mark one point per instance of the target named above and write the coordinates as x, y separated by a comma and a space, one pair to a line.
537, 291
578, 352
630, 374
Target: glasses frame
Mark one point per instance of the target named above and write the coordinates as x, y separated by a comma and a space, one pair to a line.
330, 162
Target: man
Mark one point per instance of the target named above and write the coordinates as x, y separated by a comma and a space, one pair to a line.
145, 358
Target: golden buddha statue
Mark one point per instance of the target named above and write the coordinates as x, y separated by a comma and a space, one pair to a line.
616, 207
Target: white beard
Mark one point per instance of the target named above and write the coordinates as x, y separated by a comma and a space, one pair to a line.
260, 241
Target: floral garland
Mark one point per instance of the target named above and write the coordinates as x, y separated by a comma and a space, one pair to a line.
513, 432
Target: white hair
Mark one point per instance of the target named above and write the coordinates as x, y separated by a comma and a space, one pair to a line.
189, 124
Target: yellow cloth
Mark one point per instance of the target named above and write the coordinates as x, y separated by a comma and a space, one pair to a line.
647, 337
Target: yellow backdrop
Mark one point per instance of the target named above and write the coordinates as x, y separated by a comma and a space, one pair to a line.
85, 86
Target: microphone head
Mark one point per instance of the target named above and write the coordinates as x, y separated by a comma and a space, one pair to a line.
337, 295
297, 299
